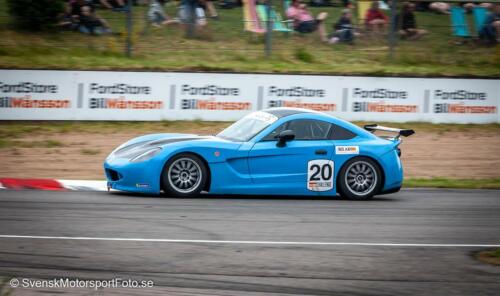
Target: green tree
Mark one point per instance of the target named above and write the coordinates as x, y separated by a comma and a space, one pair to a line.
35, 14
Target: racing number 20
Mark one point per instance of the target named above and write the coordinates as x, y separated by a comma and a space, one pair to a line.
320, 175
325, 170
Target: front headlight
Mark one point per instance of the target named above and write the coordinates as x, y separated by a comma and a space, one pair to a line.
146, 155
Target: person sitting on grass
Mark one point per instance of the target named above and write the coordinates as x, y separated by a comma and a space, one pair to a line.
408, 24
344, 31
444, 8
157, 15
440, 7
303, 20
66, 19
193, 7
490, 31
84, 14
469, 6
375, 20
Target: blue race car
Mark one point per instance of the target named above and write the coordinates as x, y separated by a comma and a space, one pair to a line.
278, 151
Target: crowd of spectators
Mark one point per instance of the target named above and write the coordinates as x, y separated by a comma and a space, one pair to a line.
81, 15
376, 21
444, 7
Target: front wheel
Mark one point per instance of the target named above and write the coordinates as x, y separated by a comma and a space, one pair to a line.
360, 178
185, 175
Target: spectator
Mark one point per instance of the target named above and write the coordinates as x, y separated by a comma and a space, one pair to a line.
83, 12
209, 6
440, 7
406, 19
490, 31
189, 9
304, 22
468, 6
444, 8
76, 7
344, 31
375, 20
67, 21
157, 15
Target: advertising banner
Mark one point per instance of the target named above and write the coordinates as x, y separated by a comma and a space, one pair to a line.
213, 96
459, 100
384, 99
46, 95
122, 95
320, 93
150, 96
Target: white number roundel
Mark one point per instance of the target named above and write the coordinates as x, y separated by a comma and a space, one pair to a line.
320, 175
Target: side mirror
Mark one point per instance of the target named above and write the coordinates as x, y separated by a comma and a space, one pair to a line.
285, 136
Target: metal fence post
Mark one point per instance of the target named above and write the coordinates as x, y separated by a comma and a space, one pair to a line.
191, 15
393, 28
128, 47
269, 29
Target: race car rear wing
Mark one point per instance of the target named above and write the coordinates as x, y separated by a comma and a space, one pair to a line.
401, 132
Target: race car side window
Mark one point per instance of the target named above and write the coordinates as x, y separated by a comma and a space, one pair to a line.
304, 129
340, 133
309, 129
273, 134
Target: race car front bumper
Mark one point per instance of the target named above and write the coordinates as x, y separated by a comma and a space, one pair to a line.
142, 177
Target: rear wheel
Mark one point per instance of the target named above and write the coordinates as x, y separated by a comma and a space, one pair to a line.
185, 175
360, 179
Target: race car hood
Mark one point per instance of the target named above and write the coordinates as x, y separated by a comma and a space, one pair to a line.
139, 145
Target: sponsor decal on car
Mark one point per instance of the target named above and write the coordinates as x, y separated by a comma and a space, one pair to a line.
320, 175
347, 150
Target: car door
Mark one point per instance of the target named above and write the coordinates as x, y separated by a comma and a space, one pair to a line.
301, 166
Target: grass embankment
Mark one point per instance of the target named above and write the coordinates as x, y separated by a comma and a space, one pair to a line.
224, 46
489, 256
452, 183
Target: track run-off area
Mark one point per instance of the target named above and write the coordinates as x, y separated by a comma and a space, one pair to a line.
415, 242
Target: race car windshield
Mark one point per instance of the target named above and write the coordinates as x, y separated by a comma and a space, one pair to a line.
247, 127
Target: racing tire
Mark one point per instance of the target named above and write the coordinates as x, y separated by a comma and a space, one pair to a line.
360, 179
184, 175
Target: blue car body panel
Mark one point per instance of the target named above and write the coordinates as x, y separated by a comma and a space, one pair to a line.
254, 166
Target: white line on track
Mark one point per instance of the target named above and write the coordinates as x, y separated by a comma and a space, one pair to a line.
202, 241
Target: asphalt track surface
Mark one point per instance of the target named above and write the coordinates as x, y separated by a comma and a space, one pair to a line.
415, 242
